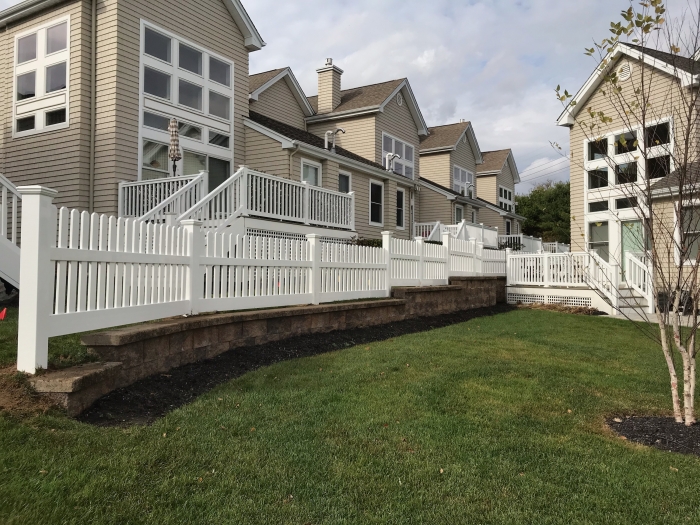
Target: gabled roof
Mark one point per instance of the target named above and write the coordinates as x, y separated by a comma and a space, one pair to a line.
296, 134
447, 192
495, 161
259, 82
669, 185
685, 69
253, 40
500, 211
447, 137
372, 99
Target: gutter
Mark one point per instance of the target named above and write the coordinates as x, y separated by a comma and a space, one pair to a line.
25, 9
352, 112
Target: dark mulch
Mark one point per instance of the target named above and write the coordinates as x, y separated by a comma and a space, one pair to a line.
659, 432
151, 398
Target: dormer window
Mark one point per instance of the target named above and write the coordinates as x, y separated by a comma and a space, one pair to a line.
463, 181
404, 165
505, 199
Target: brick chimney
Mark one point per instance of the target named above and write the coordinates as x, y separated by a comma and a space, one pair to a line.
328, 87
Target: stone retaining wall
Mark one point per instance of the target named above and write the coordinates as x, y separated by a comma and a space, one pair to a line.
134, 352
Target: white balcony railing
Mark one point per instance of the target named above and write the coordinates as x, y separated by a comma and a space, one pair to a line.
555, 247
138, 198
252, 193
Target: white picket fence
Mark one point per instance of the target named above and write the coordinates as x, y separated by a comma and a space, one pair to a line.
84, 271
432, 231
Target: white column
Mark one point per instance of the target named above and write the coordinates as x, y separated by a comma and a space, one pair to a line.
195, 272
120, 199
36, 277
386, 245
315, 252
245, 189
352, 210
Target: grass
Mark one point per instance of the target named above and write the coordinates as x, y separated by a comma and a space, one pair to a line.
497, 420
64, 351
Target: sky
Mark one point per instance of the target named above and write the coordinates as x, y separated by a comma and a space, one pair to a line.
492, 62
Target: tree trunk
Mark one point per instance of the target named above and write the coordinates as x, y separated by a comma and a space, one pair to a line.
687, 388
677, 414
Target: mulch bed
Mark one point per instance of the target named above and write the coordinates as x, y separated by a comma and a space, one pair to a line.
659, 432
151, 398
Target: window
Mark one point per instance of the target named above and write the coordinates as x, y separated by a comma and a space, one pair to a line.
691, 227
463, 181
400, 207
473, 217
658, 167
185, 80
157, 45
628, 202
376, 203
505, 199
311, 172
219, 105
154, 160
344, 182
598, 206
598, 178
508, 227
156, 83
190, 59
658, 135
218, 139
598, 239
57, 38
219, 72
459, 214
41, 93
626, 142
190, 95
403, 166
598, 149
626, 173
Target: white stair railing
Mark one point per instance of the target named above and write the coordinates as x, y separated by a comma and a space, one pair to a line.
180, 201
638, 276
138, 198
9, 210
250, 192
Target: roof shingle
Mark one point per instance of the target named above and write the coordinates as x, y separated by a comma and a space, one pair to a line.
258, 79
493, 160
361, 97
683, 63
443, 136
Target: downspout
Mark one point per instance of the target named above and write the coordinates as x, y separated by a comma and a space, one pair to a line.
93, 104
291, 165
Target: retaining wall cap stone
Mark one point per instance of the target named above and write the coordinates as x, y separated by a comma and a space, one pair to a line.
74, 378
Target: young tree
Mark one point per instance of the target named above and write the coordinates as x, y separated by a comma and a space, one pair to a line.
547, 211
642, 126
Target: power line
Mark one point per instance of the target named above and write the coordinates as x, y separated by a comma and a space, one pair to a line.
542, 167
546, 174
545, 164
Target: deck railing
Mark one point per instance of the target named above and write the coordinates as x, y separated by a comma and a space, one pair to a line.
180, 201
136, 199
520, 242
555, 247
639, 276
432, 231
10, 209
252, 193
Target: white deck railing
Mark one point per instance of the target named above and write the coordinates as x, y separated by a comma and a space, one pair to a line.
136, 199
10, 209
525, 243
555, 247
432, 231
638, 276
85, 272
180, 201
250, 192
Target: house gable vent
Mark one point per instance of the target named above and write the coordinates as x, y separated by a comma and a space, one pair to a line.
624, 72
399, 99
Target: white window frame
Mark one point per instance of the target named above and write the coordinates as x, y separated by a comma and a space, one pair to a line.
403, 209
42, 102
313, 164
689, 203
504, 200
349, 176
171, 108
378, 183
459, 206
469, 183
402, 161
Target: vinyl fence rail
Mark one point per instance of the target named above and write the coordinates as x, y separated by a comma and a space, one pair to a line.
82, 271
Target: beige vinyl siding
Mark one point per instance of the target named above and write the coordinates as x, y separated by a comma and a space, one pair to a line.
437, 168
358, 136
206, 23
278, 102
397, 121
463, 156
505, 179
57, 159
487, 188
266, 154
493, 219
434, 206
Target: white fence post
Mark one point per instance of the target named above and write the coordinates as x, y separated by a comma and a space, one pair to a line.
36, 277
508, 263
315, 253
479, 258
420, 243
386, 245
195, 273
447, 243
245, 190
545, 270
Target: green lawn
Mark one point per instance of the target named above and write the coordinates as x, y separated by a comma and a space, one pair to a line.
497, 420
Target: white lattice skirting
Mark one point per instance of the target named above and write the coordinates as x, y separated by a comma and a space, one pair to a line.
562, 296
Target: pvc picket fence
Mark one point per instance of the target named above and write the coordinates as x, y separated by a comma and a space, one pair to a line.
82, 271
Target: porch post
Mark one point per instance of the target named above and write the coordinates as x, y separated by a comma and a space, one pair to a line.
36, 277
386, 246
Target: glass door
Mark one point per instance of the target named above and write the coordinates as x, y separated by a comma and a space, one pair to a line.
632, 241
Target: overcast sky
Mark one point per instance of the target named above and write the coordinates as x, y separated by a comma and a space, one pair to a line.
493, 62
